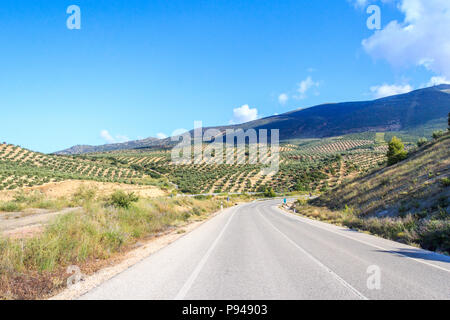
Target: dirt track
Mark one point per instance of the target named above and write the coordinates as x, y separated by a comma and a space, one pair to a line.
24, 224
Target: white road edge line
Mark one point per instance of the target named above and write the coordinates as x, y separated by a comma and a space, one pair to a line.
305, 220
190, 281
337, 277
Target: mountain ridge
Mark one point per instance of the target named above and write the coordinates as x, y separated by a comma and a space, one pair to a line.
80, 149
393, 113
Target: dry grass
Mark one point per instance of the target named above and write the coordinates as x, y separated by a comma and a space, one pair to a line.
431, 233
22, 200
411, 186
33, 268
64, 189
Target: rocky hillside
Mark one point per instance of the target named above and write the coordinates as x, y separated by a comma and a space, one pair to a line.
80, 149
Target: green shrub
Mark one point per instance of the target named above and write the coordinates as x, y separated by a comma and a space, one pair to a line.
261, 189
435, 235
438, 134
121, 199
349, 210
445, 182
153, 174
269, 193
300, 186
396, 152
421, 142
301, 202
203, 197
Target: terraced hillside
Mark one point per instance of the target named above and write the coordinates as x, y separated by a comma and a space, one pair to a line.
23, 168
305, 165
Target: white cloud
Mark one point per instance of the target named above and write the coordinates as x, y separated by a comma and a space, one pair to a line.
421, 39
359, 3
161, 135
305, 86
244, 114
302, 90
106, 136
365, 3
110, 139
435, 81
179, 132
386, 90
283, 98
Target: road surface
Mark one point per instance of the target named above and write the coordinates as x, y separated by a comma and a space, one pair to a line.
257, 251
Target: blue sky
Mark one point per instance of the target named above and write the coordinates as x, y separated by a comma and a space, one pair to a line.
141, 68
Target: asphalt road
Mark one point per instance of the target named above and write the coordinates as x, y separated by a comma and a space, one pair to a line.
257, 251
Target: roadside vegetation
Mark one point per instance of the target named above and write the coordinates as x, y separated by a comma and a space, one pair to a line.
103, 229
431, 232
34, 199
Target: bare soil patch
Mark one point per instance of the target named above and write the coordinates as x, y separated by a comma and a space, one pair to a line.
67, 188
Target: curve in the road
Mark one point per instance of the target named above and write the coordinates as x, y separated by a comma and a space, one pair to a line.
257, 251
